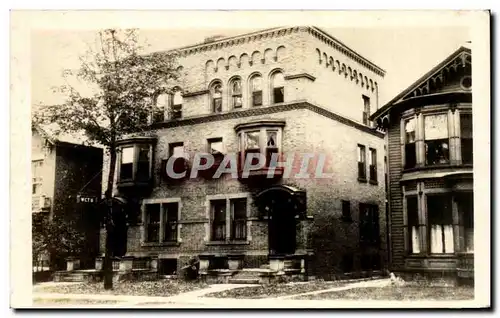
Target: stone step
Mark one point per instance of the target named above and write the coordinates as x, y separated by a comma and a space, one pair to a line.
244, 281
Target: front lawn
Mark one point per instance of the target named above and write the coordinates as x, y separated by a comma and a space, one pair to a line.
163, 288
400, 293
70, 302
275, 290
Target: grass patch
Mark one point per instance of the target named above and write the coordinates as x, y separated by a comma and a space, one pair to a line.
400, 293
148, 288
68, 301
274, 290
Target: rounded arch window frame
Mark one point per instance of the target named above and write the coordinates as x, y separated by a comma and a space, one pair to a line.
212, 99
271, 77
251, 91
230, 91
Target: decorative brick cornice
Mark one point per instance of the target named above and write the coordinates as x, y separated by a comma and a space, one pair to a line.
344, 49
191, 94
301, 75
278, 32
257, 111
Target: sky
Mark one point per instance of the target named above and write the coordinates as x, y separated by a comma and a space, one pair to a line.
405, 52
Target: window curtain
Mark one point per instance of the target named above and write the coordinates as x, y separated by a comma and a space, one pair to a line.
436, 127
437, 233
415, 239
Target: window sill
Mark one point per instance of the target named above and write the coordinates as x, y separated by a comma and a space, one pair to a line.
374, 182
161, 244
429, 167
362, 180
228, 243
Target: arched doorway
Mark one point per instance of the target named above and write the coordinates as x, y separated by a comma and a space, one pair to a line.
282, 204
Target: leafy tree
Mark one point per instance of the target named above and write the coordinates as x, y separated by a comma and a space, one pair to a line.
59, 237
116, 96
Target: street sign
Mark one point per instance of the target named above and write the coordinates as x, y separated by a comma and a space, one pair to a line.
87, 199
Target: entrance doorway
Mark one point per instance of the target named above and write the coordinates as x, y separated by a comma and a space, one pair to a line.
282, 204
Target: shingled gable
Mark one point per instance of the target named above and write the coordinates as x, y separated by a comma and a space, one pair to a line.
421, 86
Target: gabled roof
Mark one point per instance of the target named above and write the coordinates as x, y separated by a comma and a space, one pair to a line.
53, 135
438, 68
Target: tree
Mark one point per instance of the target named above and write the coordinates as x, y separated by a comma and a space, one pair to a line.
121, 87
59, 237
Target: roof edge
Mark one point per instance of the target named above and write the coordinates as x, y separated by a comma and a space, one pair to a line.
384, 109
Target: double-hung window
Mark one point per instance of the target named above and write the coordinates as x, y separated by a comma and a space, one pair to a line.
162, 222
440, 224
361, 163
373, 165
466, 137
410, 145
228, 219
437, 149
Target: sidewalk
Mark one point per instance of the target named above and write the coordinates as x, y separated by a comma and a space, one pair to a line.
195, 299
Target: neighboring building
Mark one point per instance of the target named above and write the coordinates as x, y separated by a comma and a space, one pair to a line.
429, 128
284, 90
61, 169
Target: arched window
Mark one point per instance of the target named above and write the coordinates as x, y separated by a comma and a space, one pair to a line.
176, 109
235, 87
161, 108
216, 97
256, 90
278, 87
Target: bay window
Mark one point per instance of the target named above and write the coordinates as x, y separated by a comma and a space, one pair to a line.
134, 158
265, 141
466, 137
436, 139
413, 224
410, 146
440, 224
127, 163
465, 203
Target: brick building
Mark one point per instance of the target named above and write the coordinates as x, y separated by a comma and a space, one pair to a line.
62, 168
429, 128
284, 90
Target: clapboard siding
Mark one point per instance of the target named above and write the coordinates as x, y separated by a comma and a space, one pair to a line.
396, 196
